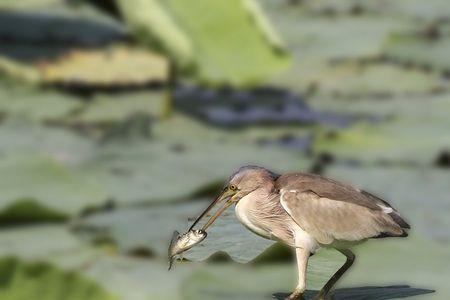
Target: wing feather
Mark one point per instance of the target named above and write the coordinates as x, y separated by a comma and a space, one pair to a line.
329, 220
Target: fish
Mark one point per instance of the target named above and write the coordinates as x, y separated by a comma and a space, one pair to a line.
183, 242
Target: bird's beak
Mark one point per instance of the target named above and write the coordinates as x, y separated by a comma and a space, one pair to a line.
227, 196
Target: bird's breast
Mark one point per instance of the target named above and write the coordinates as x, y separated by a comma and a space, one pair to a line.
245, 214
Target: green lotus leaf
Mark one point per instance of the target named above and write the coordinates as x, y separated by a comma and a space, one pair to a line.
207, 39
107, 110
226, 235
181, 158
433, 10
56, 189
18, 136
23, 281
420, 50
415, 133
317, 41
35, 105
114, 66
353, 80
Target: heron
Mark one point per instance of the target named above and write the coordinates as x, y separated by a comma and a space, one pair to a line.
307, 212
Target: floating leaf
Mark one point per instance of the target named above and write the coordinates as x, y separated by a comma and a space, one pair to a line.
433, 10
417, 135
23, 281
39, 242
209, 38
55, 188
317, 41
182, 157
106, 110
114, 66
27, 4
139, 279
35, 105
226, 235
419, 50
27, 138
418, 107
353, 80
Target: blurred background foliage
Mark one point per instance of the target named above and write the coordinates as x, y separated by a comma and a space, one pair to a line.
121, 119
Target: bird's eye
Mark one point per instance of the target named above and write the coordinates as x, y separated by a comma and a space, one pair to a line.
233, 187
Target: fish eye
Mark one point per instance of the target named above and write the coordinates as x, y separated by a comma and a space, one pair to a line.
233, 187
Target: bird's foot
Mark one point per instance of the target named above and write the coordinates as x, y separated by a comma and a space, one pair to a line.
296, 295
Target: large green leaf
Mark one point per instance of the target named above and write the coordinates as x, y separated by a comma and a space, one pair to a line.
317, 41
139, 279
39, 242
226, 235
117, 66
182, 157
420, 50
210, 37
415, 107
35, 105
432, 10
416, 133
47, 184
18, 136
107, 110
23, 281
351, 80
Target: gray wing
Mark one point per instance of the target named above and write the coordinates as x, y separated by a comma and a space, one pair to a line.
328, 220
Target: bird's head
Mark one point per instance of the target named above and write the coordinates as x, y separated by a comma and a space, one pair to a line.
246, 180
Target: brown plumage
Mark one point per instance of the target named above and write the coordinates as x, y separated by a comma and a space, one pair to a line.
306, 212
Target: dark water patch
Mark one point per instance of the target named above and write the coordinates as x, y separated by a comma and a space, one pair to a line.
367, 293
260, 106
53, 28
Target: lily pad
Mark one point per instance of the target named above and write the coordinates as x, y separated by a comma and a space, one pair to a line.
26, 280
317, 41
35, 105
353, 80
27, 242
433, 10
419, 50
178, 161
55, 188
107, 110
207, 39
416, 135
116, 66
417, 107
226, 235
139, 279
18, 136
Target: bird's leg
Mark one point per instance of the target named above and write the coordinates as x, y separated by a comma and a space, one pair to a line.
302, 256
323, 293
